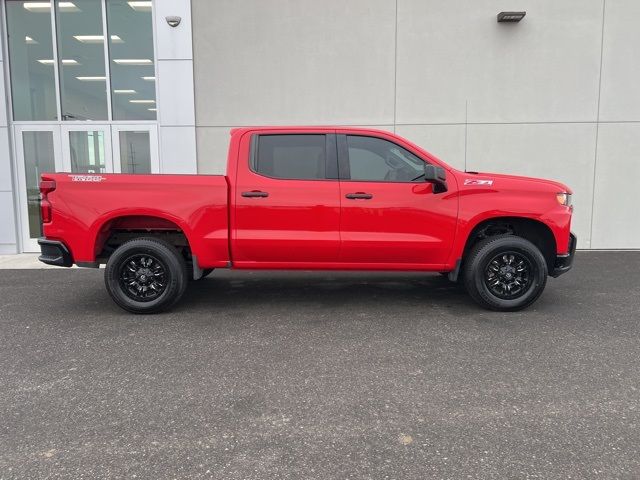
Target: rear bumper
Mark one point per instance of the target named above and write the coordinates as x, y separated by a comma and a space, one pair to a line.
565, 262
54, 253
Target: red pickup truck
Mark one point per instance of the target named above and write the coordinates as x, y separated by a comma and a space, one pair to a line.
311, 198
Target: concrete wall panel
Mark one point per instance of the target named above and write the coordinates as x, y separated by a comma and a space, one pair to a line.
562, 152
175, 88
213, 145
6, 184
617, 196
178, 150
8, 249
294, 62
174, 43
4, 113
176, 109
543, 69
444, 141
7, 221
620, 94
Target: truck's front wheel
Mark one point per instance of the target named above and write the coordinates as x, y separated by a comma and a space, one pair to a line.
505, 273
146, 275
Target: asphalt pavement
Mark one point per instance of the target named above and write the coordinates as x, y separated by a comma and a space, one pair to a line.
322, 375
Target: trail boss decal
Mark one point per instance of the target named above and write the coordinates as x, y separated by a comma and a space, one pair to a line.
474, 181
87, 178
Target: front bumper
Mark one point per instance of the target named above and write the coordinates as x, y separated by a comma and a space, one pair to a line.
565, 262
54, 253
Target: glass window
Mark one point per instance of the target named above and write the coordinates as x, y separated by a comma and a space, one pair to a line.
38, 159
291, 156
31, 61
81, 53
86, 149
133, 85
378, 160
135, 152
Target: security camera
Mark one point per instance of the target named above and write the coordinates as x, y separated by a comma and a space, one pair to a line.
173, 20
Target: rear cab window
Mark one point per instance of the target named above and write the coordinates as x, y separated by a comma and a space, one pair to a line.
294, 156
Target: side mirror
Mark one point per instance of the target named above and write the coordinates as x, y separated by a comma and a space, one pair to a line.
437, 176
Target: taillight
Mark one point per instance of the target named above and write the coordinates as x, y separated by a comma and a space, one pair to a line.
46, 186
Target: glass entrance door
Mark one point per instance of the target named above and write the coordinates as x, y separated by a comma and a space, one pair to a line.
135, 149
54, 148
76, 148
38, 151
86, 149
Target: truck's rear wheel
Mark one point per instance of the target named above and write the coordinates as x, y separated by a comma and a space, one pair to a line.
146, 275
505, 273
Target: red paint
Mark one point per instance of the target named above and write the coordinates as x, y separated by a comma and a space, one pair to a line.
302, 224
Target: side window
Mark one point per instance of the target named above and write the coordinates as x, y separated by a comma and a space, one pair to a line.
300, 157
378, 160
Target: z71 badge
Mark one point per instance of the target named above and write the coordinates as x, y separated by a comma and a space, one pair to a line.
475, 181
87, 178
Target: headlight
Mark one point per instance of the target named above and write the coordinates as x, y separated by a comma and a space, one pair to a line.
564, 199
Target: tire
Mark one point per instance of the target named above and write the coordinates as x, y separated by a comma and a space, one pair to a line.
505, 273
146, 275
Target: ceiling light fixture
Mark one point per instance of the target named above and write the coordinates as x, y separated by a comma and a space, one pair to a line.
149, 79
97, 38
92, 79
133, 61
65, 61
44, 6
142, 101
29, 40
35, 6
124, 91
510, 17
143, 6
152, 109
89, 38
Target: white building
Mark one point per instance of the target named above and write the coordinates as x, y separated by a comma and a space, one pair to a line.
555, 95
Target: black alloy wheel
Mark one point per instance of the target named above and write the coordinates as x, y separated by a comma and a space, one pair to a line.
508, 275
504, 272
143, 277
146, 275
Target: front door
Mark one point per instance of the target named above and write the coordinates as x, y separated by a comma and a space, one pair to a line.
390, 217
287, 203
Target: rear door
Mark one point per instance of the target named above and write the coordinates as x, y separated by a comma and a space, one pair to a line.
286, 200
391, 218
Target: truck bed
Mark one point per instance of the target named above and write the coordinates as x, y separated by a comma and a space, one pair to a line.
86, 207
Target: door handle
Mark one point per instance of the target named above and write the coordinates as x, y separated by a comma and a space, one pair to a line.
359, 195
255, 193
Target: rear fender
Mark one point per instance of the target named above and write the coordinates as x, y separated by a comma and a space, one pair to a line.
151, 220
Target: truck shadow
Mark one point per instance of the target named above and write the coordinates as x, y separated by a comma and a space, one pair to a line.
231, 290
